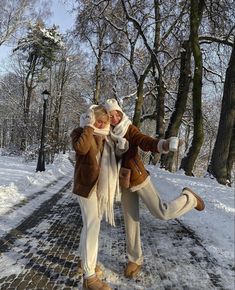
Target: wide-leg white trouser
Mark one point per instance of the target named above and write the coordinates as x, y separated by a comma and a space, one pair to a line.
89, 240
161, 210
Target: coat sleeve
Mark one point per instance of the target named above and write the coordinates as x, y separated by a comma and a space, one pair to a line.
81, 139
145, 142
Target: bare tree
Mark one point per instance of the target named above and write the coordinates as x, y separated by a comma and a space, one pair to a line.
223, 155
10, 111
181, 101
92, 29
153, 51
16, 15
39, 48
187, 163
63, 74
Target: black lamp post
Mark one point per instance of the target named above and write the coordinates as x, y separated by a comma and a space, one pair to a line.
41, 155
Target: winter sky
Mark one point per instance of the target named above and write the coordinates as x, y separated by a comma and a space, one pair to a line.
61, 16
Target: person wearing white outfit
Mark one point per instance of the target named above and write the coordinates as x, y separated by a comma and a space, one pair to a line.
95, 191
140, 185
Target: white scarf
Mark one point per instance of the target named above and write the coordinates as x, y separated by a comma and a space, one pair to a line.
121, 129
108, 177
107, 182
102, 132
121, 144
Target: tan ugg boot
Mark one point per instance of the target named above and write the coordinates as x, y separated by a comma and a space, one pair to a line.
200, 203
94, 283
98, 270
132, 270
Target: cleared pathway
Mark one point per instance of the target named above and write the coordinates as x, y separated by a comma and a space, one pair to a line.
41, 253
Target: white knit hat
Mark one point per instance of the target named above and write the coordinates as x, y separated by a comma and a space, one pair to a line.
112, 105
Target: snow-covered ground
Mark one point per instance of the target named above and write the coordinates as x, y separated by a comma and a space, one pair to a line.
21, 184
214, 227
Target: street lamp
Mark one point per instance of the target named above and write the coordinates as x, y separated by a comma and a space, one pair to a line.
41, 155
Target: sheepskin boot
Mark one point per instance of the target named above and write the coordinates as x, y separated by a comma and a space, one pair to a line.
98, 270
94, 283
132, 270
200, 203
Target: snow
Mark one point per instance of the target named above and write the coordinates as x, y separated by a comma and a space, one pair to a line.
213, 228
215, 225
19, 183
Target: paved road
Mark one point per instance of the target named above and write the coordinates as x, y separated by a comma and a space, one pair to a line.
44, 250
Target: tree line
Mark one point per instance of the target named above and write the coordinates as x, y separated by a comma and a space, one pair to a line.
170, 64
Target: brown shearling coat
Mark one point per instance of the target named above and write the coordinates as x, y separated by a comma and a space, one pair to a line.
131, 158
87, 169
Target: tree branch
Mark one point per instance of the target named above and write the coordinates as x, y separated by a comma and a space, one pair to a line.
210, 38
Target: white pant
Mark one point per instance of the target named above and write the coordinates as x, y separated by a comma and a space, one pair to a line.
161, 210
89, 240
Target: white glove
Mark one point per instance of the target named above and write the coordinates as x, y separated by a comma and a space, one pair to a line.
163, 146
122, 145
87, 119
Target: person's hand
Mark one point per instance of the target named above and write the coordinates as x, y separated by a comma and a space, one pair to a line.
122, 145
87, 119
170, 144
165, 145
173, 143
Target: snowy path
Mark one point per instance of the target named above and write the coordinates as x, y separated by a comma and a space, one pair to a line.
175, 258
41, 253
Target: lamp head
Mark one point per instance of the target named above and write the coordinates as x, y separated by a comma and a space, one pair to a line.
45, 94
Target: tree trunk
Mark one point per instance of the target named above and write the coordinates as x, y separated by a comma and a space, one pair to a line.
56, 139
4, 134
160, 128
29, 83
161, 90
167, 161
140, 96
198, 136
223, 152
98, 69
160, 111
231, 158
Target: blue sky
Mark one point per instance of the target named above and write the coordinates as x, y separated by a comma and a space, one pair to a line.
60, 16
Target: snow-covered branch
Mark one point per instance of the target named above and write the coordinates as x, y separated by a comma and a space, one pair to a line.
210, 38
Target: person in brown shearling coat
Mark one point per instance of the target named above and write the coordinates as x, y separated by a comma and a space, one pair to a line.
94, 155
140, 185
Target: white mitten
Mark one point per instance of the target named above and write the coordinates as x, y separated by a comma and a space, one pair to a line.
163, 146
87, 119
122, 145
